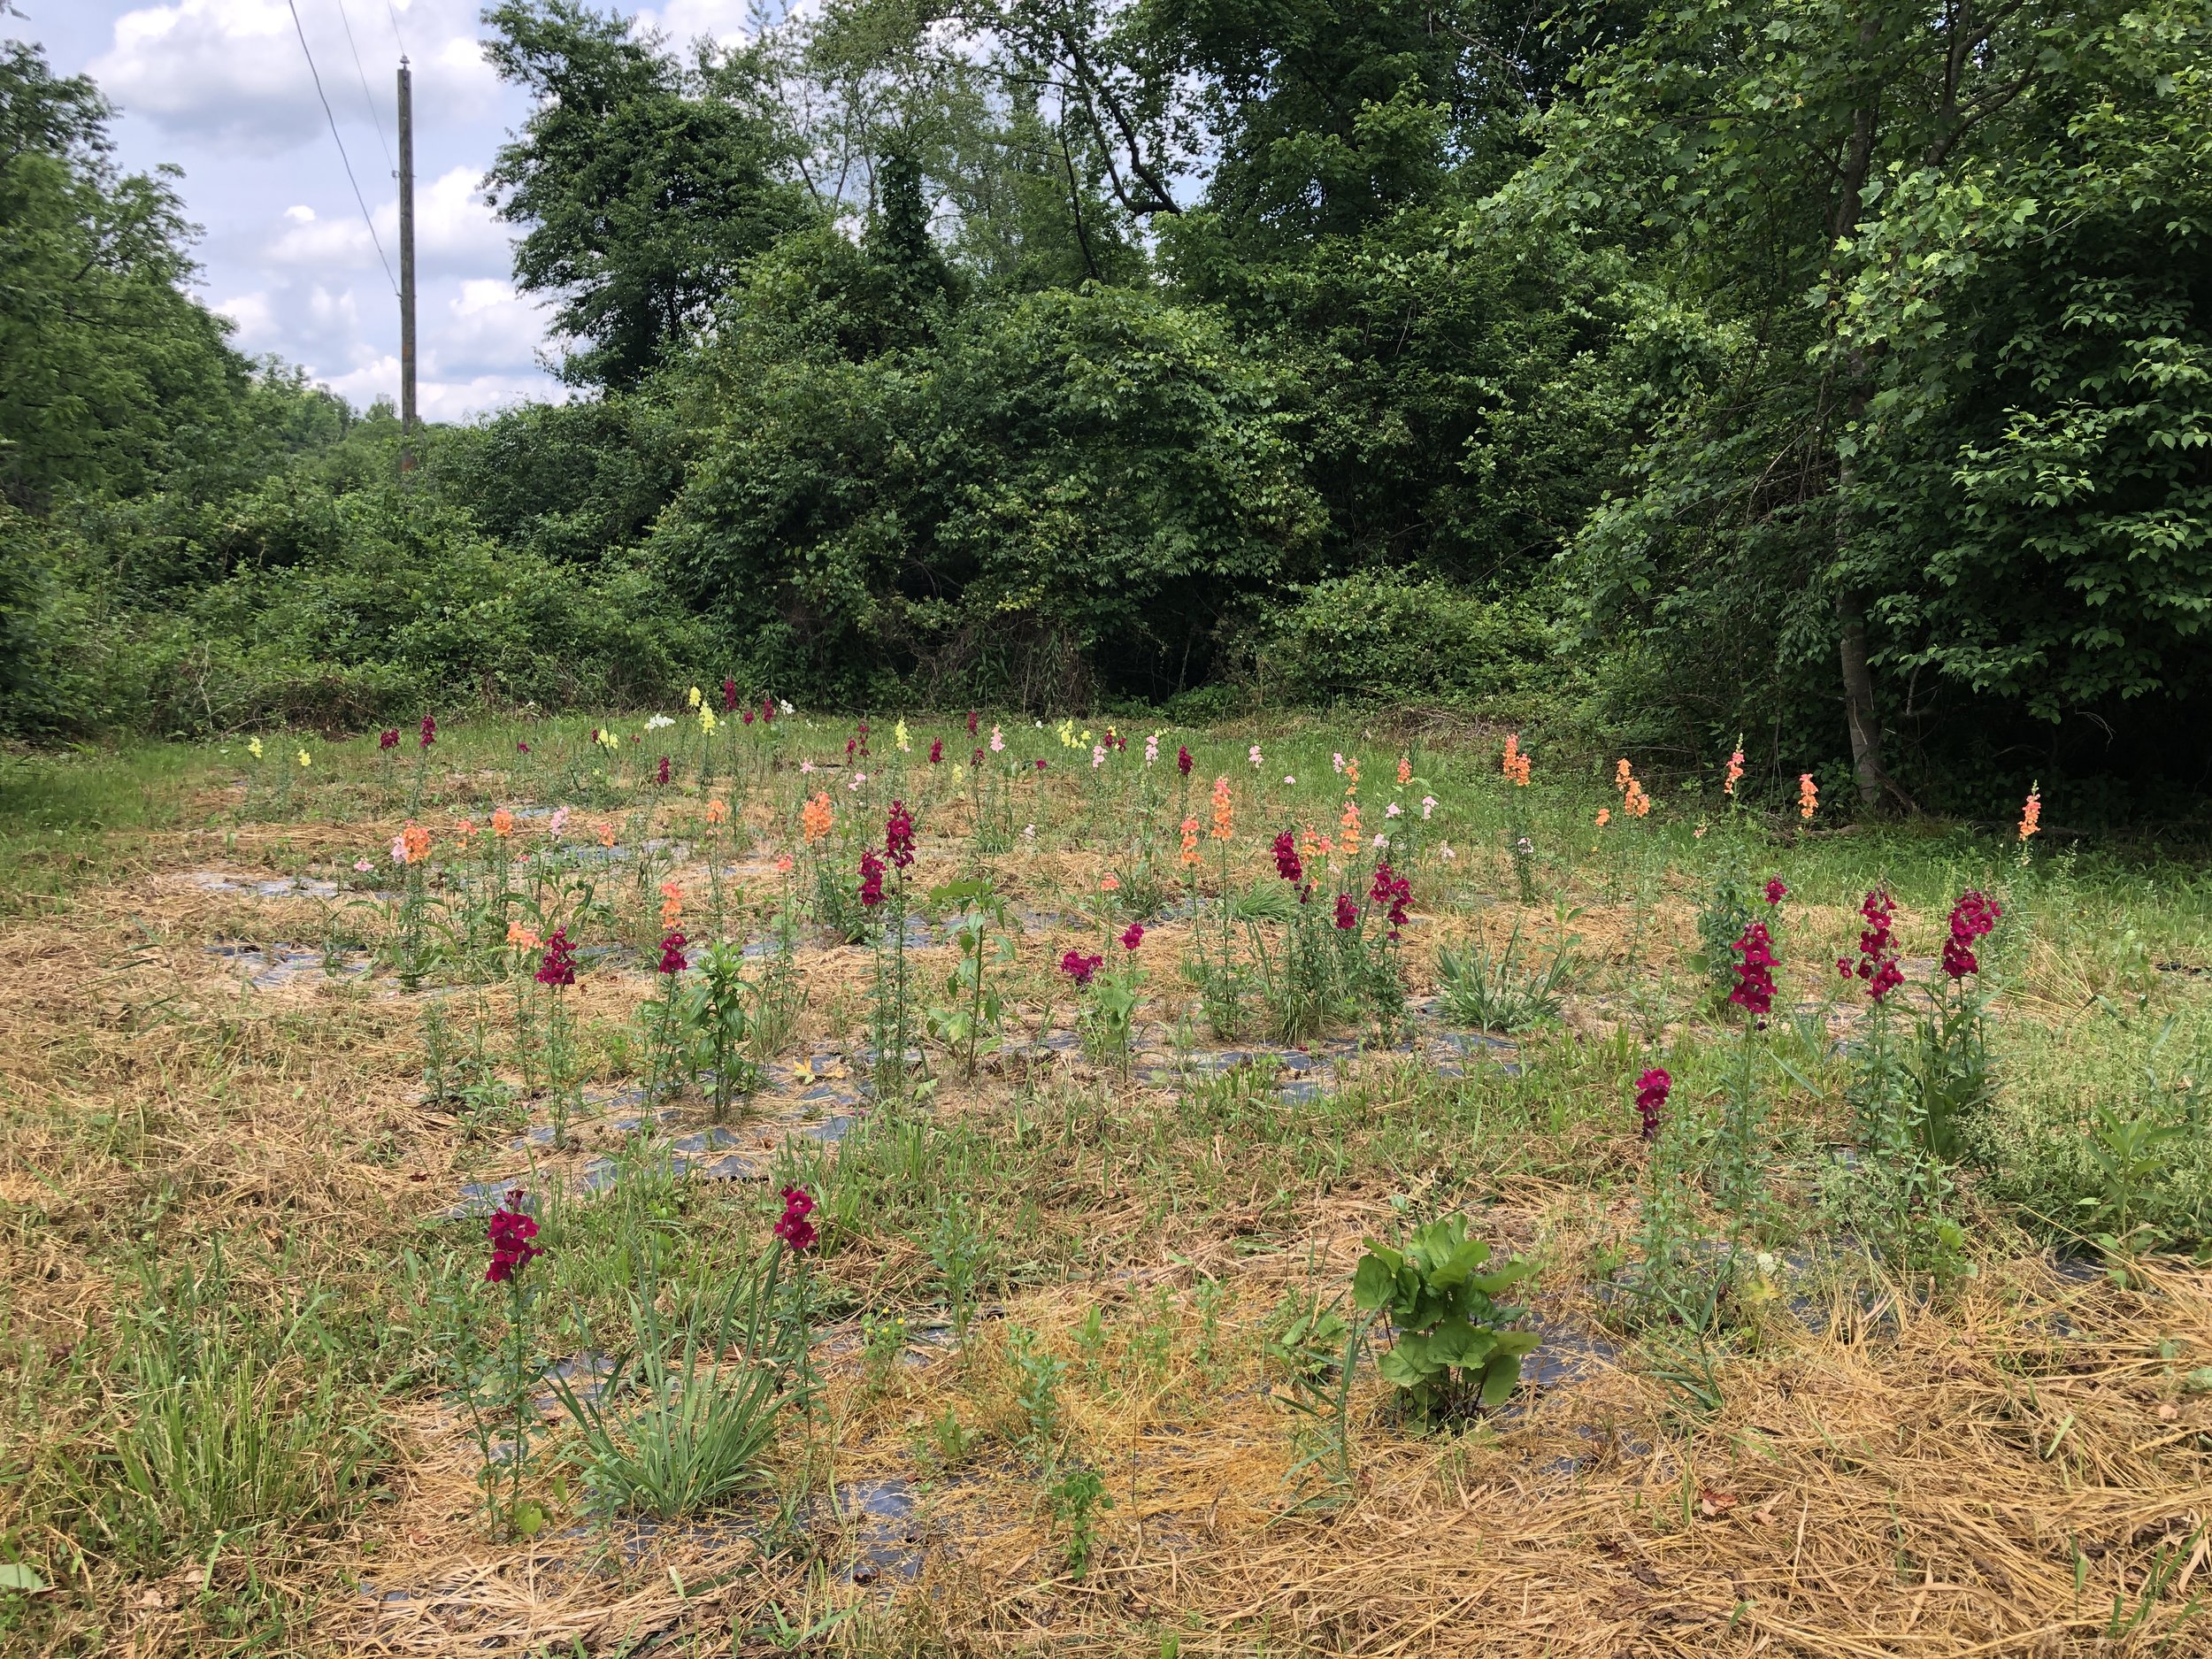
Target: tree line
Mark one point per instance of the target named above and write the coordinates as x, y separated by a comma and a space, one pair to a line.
1831, 381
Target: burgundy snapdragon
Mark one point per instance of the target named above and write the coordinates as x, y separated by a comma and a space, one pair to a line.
1394, 891
871, 878
1347, 912
898, 835
1971, 918
1775, 891
792, 1227
1132, 936
1651, 1096
1755, 962
512, 1232
430, 731
388, 738
1878, 946
973, 716
660, 772
1182, 761
1080, 967
1286, 864
672, 959
936, 750
558, 965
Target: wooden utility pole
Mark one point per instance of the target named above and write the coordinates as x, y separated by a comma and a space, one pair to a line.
406, 268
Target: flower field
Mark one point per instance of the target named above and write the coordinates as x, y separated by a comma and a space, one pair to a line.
738, 1181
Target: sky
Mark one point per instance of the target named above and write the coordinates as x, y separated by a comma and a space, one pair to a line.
221, 88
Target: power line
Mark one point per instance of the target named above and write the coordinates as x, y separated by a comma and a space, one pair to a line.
341, 142
397, 40
376, 119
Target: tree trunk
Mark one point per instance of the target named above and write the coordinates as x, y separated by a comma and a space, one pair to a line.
1858, 700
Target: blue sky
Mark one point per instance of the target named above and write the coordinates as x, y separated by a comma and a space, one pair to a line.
221, 88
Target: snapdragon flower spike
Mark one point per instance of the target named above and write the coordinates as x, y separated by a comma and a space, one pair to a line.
1392, 891
974, 715
672, 960
511, 1232
1286, 864
1651, 1096
660, 772
792, 1227
1971, 918
1080, 967
1183, 761
871, 878
388, 738
1775, 891
729, 696
936, 750
1878, 946
1132, 936
1755, 962
1346, 911
898, 835
558, 966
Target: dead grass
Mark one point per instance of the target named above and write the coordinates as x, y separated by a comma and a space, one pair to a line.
2013, 1466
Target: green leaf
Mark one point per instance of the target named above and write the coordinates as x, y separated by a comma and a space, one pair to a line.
1374, 1279
18, 1578
1499, 1378
1402, 1370
1460, 1345
1512, 1273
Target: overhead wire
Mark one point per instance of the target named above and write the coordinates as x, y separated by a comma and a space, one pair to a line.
343, 158
376, 115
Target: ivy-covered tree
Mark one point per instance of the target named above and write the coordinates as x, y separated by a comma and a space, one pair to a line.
644, 184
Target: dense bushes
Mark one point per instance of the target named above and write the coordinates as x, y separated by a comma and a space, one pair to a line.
1382, 637
1057, 486
335, 612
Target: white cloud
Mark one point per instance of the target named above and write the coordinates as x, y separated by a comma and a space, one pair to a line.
455, 234
485, 328
683, 21
256, 320
232, 73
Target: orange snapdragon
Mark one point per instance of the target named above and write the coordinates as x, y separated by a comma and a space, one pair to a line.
2032, 813
1808, 795
502, 823
814, 817
1223, 811
671, 904
1515, 765
717, 812
416, 839
1190, 841
1348, 828
1735, 771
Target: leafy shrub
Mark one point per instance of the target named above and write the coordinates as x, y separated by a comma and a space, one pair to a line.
1385, 636
1453, 1345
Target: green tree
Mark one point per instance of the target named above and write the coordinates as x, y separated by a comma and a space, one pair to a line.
644, 184
1747, 156
111, 375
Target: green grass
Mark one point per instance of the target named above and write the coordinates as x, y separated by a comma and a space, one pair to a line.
237, 1322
